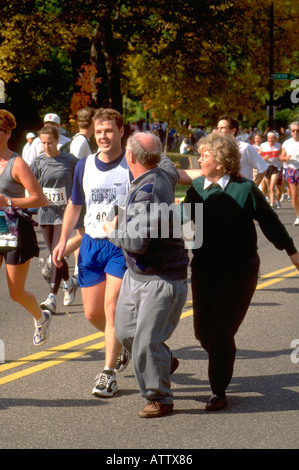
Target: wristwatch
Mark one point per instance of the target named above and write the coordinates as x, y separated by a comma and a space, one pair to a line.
9, 202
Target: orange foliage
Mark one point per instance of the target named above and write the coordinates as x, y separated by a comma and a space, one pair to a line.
87, 83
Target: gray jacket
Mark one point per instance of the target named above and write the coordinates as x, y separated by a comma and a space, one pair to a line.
149, 231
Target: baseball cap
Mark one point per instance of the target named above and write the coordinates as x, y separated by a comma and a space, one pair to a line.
30, 135
51, 117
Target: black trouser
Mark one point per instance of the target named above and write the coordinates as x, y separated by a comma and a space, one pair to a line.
220, 302
51, 234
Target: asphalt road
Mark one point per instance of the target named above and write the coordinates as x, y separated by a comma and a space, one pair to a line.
45, 393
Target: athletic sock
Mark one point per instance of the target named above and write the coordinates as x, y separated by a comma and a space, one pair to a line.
69, 282
40, 320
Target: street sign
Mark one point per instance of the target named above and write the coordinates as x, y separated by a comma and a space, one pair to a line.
283, 76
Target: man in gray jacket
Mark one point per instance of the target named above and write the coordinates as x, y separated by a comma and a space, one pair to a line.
154, 288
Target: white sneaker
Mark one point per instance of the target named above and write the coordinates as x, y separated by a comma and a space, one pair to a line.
45, 266
69, 293
42, 331
106, 385
50, 303
278, 205
296, 221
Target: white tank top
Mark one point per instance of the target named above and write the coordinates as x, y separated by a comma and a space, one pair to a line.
103, 190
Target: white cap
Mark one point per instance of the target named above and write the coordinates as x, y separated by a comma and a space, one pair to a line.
30, 135
51, 117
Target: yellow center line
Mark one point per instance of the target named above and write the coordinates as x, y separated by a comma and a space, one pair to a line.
54, 362
40, 355
75, 354
262, 285
279, 271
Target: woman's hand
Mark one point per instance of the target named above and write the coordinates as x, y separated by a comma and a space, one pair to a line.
295, 259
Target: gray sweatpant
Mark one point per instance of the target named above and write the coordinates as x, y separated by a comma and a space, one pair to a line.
147, 313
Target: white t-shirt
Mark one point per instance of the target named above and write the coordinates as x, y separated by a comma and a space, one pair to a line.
292, 148
250, 160
184, 147
271, 154
80, 146
25, 152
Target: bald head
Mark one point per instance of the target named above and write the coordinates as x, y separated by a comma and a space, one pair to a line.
146, 148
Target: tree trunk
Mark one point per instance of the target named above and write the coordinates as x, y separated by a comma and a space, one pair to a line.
22, 106
103, 38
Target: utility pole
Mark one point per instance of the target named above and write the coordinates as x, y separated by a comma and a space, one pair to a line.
271, 66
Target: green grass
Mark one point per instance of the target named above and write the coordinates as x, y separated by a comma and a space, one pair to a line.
175, 157
180, 189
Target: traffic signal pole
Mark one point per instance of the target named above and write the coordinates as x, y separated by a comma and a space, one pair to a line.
271, 67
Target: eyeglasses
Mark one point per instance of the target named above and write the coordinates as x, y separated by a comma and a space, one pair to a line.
204, 155
295, 130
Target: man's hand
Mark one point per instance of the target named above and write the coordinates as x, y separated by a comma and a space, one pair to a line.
58, 253
110, 226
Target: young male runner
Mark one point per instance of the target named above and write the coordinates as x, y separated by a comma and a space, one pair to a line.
101, 180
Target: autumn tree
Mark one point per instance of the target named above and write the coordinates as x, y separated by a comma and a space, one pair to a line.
207, 58
189, 58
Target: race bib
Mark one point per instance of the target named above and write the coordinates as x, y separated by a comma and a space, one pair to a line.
295, 156
56, 196
98, 213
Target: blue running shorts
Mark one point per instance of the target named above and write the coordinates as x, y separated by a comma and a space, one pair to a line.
98, 257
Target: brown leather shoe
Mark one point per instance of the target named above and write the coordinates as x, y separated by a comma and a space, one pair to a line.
215, 403
155, 409
174, 364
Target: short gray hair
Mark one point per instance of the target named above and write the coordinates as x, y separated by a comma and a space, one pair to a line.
295, 123
145, 153
224, 150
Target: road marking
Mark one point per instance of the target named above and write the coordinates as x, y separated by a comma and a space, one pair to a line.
54, 362
279, 271
262, 285
40, 355
75, 354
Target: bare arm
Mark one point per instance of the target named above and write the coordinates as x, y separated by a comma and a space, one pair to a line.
22, 174
70, 218
186, 176
283, 156
258, 178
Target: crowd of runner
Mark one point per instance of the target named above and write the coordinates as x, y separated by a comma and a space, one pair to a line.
134, 287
